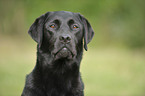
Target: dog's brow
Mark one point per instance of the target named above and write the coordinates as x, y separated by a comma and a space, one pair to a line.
57, 21
70, 21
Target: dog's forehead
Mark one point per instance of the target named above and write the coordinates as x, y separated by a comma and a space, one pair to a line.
63, 15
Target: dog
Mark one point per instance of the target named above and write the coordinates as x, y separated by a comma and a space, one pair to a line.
61, 37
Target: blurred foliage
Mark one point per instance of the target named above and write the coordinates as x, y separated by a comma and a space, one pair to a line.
114, 21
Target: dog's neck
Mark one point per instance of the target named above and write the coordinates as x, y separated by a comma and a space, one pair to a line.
52, 73
60, 66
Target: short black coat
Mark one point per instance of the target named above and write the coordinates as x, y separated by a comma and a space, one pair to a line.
59, 53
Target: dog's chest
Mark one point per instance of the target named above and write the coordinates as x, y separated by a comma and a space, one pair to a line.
59, 88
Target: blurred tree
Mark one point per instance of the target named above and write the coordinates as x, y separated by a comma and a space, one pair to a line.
12, 17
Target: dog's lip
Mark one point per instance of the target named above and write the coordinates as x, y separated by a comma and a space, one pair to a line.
64, 48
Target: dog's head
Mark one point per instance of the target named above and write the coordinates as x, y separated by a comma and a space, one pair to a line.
61, 33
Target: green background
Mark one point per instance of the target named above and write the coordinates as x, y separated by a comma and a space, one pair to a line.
114, 64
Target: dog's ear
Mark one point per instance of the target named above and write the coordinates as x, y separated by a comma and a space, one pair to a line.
36, 29
88, 31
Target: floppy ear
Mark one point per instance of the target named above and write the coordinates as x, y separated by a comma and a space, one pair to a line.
88, 31
36, 29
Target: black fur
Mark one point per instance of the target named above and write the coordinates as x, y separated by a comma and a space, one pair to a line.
59, 52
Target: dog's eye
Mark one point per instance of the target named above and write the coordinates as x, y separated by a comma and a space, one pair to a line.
75, 27
52, 26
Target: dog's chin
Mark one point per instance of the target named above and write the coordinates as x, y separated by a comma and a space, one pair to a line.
64, 53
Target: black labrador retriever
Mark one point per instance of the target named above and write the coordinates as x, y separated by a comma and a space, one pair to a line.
60, 36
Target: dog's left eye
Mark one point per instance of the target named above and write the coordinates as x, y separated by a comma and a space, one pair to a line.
75, 27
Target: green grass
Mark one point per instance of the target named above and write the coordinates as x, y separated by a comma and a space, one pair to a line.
114, 72
105, 72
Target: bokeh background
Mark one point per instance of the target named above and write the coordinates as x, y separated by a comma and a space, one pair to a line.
114, 65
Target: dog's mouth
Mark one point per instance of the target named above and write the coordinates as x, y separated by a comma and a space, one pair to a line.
64, 52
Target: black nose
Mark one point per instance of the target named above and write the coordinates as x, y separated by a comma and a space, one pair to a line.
65, 38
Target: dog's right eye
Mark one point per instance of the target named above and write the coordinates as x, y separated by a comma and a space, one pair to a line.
52, 26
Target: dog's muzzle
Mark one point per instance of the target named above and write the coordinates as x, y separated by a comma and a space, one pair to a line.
64, 52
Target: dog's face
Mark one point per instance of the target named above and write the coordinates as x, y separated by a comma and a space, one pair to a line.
64, 32
61, 33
